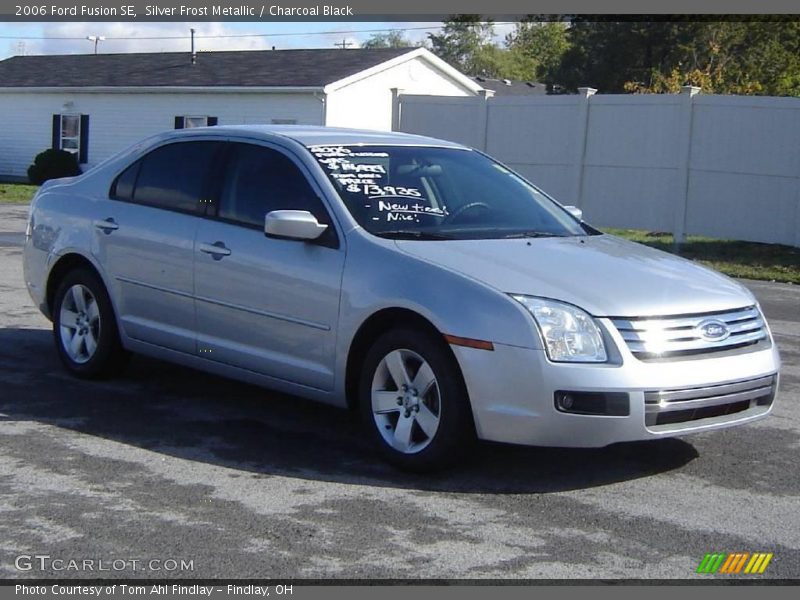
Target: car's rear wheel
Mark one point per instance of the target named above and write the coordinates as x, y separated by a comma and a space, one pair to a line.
413, 401
84, 326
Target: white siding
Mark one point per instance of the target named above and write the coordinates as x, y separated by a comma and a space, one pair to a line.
367, 103
118, 120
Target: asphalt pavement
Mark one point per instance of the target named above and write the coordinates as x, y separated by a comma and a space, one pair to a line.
168, 464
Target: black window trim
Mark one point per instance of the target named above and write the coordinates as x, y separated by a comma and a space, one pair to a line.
212, 187
112, 192
201, 207
330, 238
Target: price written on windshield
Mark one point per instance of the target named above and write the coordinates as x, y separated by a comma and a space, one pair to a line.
379, 191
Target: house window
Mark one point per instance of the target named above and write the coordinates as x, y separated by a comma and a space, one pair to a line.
71, 133
284, 121
190, 121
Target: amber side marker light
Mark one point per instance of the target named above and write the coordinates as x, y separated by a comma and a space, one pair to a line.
469, 342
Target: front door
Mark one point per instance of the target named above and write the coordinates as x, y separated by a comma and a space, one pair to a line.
264, 304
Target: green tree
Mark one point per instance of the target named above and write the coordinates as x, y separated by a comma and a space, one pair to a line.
543, 44
754, 57
725, 57
607, 55
502, 63
391, 39
467, 43
461, 42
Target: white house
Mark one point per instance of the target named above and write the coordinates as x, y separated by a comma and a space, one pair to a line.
95, 105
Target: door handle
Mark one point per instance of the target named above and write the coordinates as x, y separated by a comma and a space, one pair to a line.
106, 226
217, 250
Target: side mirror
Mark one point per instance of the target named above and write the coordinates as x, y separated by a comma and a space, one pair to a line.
293, 224
575, 212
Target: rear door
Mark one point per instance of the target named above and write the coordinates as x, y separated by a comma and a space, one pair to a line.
264, 304
145, 239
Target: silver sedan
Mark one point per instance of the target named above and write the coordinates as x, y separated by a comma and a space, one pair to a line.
417, 281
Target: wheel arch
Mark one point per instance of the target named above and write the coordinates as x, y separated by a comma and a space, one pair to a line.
370, 330
109, 355
64, 265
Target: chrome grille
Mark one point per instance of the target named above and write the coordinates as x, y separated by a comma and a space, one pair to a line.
660, 337
675, 406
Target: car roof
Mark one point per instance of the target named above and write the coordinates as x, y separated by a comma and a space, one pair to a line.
310, 135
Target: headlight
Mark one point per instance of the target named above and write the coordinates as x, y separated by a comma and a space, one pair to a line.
569, 334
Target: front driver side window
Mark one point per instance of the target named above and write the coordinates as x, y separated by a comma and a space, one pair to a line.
259, 180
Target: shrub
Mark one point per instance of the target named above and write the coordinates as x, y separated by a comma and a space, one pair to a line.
52, 164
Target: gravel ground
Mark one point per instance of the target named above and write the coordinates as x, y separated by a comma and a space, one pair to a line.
168, 463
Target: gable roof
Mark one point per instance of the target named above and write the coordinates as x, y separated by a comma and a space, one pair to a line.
250, 68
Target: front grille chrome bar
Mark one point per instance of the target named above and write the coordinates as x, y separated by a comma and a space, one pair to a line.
649, 337
685, 405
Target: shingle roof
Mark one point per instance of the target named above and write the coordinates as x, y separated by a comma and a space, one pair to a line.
506, 87
280, 68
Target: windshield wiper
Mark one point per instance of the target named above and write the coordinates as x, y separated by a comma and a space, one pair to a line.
531, 234
412, 234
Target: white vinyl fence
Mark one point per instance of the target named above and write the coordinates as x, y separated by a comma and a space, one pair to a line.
722, 166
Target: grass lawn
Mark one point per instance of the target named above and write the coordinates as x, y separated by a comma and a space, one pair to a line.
769, 262
16, 193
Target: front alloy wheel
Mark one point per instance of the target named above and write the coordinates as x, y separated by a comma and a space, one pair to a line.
413, 400
406, 401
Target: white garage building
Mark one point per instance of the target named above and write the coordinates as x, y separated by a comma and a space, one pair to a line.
95, 105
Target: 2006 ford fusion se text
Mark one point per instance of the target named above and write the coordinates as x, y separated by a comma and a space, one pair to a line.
414, 280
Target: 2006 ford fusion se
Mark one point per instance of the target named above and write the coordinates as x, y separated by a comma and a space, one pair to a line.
415, 280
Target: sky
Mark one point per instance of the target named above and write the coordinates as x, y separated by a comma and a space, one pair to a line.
25, 38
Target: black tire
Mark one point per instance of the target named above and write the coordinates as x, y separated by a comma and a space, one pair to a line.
454, 436
108, 357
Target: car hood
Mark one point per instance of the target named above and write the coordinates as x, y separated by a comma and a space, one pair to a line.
604, 275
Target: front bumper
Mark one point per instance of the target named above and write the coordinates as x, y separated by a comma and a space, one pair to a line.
512, 392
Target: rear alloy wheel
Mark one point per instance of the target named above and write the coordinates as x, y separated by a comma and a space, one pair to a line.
79, 323
414, 402
84, 326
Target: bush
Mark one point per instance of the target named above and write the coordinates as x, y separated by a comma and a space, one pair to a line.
52, 164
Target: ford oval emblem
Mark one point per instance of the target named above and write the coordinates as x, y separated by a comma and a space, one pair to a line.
713, 330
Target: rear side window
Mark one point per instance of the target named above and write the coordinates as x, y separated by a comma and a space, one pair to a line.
259, 180
124, 184
172, 177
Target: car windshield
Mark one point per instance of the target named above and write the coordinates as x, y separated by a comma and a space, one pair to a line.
421, 192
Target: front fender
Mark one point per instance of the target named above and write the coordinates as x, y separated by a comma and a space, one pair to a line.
378, 276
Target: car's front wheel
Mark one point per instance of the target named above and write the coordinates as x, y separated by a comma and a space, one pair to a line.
413, 401
84, 326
